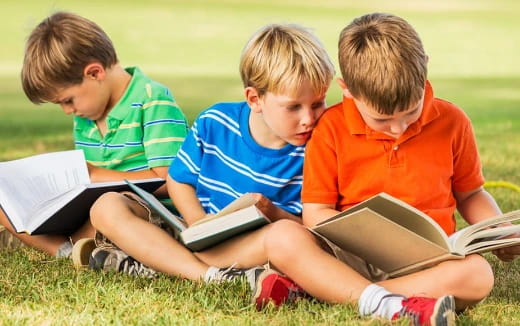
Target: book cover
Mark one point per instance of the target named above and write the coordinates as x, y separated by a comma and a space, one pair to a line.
238, 217
400, 239
51, 193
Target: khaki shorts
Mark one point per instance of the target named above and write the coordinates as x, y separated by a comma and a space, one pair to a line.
358, 264
152, 217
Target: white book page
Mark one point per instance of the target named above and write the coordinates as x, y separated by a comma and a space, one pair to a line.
27, 183
490, 227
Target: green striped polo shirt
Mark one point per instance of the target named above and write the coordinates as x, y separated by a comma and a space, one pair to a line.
145, 129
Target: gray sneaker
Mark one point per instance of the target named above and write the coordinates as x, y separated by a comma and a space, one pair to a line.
111, 259
229, 274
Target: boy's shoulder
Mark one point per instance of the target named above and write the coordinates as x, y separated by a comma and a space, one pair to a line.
442, 114
338, 118
142, 84
142, 91
448, 108
231, 111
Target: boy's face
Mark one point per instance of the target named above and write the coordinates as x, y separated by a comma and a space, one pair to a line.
89, 99
393, 125
288, 118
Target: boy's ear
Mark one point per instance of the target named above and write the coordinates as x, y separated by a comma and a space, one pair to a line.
344, 88
94, 71
253, 99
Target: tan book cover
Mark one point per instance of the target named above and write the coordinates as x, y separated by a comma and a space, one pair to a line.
400, 239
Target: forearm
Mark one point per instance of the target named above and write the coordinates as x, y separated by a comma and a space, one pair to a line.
477, 205
281, 214
315, 213
185, 200
98, 174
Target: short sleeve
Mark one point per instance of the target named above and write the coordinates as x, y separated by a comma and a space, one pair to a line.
186, 166
164, 129
467, 169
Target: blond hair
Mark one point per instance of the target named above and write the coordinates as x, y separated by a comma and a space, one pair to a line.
279, 58
58, 50
382, 61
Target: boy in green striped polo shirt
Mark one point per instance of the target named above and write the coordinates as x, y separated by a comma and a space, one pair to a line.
128, 125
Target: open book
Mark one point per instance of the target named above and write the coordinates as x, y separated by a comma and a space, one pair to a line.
51, 193
400, 239
237, 217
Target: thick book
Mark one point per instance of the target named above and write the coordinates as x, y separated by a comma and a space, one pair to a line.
400, 239
237, 217
51, 193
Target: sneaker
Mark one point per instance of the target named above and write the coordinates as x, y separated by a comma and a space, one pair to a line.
428, 311
111, 259
272, 286
230, 274
81, 252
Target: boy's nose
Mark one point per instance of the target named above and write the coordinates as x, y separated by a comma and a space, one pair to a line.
309, 117
67, 109
398, 127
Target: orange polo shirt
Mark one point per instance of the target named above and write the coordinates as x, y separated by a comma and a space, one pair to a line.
347, 162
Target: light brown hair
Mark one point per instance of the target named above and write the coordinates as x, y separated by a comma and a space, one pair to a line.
58, 50
279, 58
382, 61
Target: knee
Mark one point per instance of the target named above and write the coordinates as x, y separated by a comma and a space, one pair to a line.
101, 210
479, 277
483, 274
284, 236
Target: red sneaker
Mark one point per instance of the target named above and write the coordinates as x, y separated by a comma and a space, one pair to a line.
272, 286
428, 311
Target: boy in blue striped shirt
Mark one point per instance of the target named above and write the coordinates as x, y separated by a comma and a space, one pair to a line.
255, 146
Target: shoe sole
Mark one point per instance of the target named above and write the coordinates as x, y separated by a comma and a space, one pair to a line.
444, 312
81, 252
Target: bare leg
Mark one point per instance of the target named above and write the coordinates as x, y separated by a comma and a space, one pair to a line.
244, 251
469, 280
86, 231
295, 252
46, 243
121, 220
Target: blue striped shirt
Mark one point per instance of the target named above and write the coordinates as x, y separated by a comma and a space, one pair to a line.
220, 159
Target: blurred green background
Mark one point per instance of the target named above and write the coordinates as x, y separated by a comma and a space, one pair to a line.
194, 48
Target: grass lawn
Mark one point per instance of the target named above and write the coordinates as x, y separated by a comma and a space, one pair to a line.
194, 47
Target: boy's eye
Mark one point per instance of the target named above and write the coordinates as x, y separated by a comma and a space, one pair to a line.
294, 107
413, 112
68, 101
318, 105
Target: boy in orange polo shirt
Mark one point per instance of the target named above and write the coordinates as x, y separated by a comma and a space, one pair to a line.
388, 135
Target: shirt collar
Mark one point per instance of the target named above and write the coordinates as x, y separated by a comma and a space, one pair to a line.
121, 108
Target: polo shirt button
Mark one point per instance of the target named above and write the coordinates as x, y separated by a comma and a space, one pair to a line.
396, 147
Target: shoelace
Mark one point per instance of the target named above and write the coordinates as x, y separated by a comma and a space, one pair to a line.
133, 267
412, 308
229, 274
415, 305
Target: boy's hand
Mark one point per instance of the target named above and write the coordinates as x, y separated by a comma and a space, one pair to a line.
509, 253
273, 212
